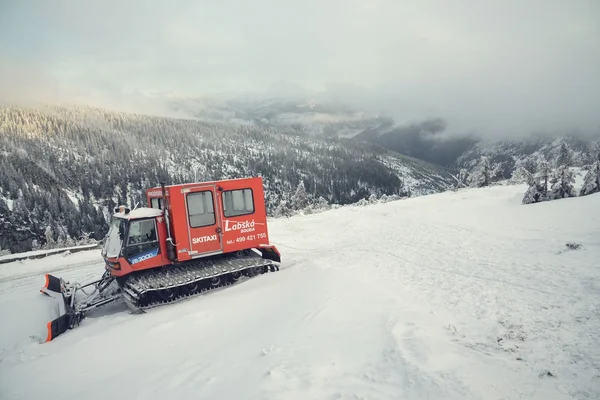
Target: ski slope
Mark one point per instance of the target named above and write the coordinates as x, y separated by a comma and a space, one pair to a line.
458, 295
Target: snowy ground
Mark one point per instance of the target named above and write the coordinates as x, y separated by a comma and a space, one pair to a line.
465, 295
43, 253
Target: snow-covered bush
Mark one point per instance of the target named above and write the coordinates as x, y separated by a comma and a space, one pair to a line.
4, 252
386, 199
321, 205
284, 209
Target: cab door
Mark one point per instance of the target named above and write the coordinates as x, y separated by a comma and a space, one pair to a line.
204, 224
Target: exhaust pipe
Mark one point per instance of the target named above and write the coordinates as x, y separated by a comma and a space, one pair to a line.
170, 245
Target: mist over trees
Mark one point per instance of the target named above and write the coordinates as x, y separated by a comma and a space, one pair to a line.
424, 140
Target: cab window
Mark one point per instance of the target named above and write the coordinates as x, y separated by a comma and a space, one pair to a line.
141, 231
156, 203
201, 209
238, 202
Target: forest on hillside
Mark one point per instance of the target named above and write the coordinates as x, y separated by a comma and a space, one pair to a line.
63, 168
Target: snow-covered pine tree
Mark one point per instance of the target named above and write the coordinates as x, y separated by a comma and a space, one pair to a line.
461, 180
535, 192
50, 243
562, 184
482, 175
497, 173
300, 198
544, 172
529, 164
322, 204
591, 181
564, 156
35, 245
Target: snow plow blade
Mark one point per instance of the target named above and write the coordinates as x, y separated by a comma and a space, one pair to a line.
66, 315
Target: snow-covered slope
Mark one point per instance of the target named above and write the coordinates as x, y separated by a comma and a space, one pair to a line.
458, 295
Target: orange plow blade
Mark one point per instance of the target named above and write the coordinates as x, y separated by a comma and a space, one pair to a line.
66, 316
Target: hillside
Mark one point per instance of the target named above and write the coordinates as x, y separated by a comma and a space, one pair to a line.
458, 295
63, 168
581, 151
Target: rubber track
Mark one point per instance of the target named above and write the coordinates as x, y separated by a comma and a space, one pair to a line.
140, 289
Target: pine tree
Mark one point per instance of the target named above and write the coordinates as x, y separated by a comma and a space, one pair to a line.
529, 165
461, 180
544, 171
535, 191
562, 184
482, 176
300, 199
564, 156
497, 173
49, 235
534, 194
591, 181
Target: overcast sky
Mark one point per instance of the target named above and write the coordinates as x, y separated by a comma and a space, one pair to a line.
516, 65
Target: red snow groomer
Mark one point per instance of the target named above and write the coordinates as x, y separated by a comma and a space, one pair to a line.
193, 237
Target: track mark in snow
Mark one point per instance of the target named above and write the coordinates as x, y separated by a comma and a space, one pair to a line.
311, 315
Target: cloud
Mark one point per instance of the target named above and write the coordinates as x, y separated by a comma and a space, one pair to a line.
501, 68
22, 82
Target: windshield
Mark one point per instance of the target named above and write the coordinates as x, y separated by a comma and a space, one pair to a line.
114, 240
141, 231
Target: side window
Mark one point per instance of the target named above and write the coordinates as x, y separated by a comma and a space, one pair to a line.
142, 231
201, 209
238, 202
156, 203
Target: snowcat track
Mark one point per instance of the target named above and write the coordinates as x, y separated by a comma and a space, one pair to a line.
153, 288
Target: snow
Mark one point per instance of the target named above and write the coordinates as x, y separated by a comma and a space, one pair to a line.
42, 253
58, 262
457, 295
142, 212
73, 197
9, 202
